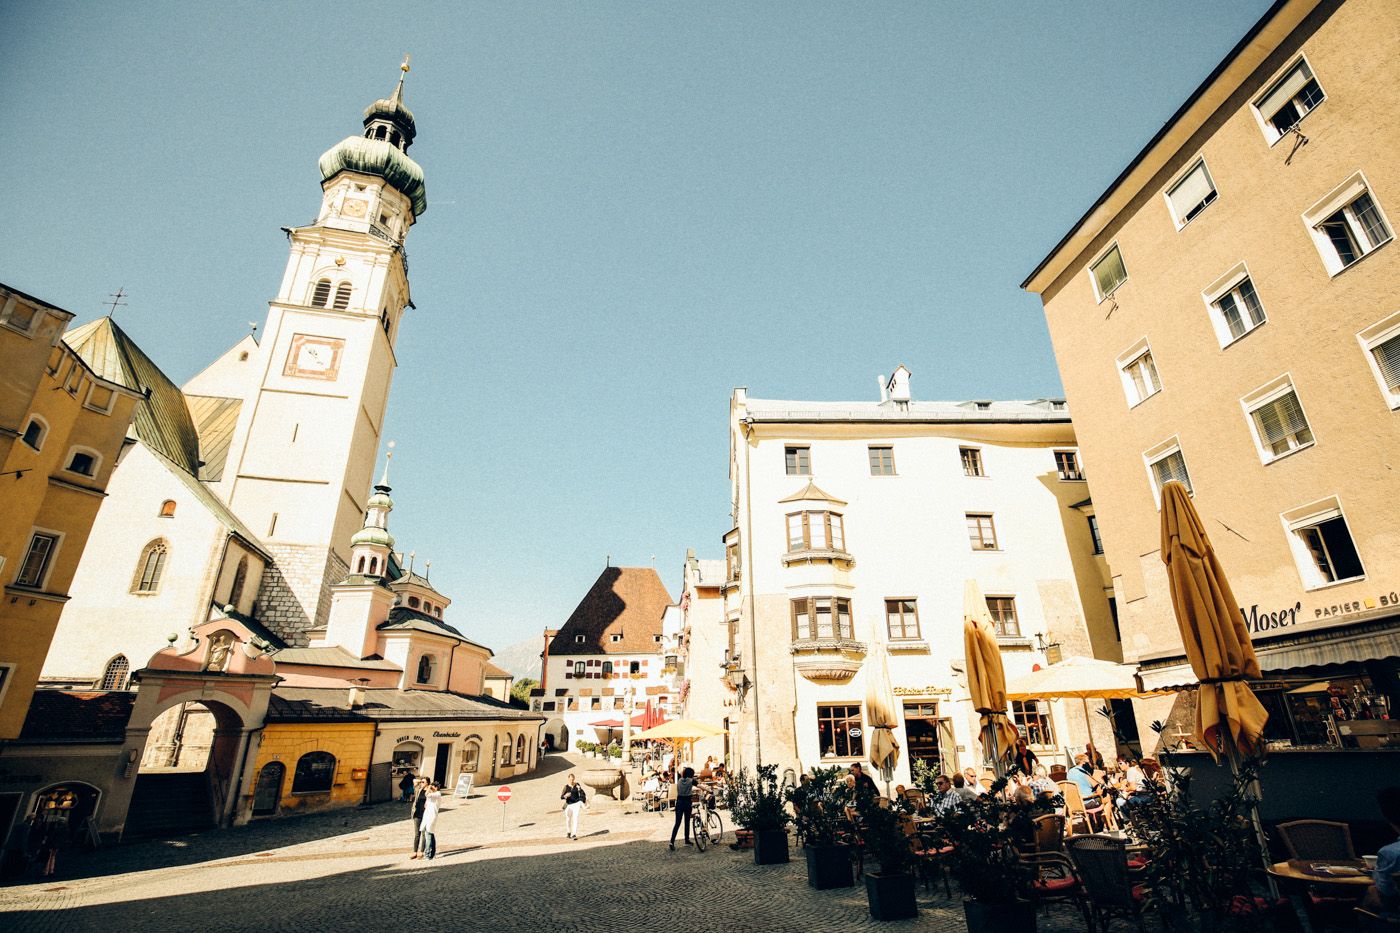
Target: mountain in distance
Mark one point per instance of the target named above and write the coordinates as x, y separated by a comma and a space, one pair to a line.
522, 658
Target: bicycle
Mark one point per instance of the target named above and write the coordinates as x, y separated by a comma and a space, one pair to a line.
705, 822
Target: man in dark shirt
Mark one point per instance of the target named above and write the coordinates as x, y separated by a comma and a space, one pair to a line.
865, 784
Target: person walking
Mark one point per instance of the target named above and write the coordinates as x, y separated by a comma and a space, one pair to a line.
406, 787
575, 800
432, 802
420, 803
685, 789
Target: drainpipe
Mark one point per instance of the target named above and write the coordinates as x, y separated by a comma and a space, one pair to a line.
753, 616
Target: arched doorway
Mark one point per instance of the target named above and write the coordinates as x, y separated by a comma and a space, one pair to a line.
556, 735
187, 770
268, 790
65, 809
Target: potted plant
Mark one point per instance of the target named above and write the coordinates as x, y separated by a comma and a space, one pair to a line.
819, 807
995, 881
890, 891
762, 811
737, 803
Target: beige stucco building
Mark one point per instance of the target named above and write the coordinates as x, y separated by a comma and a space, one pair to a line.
63, 427
1227, 313
855, 528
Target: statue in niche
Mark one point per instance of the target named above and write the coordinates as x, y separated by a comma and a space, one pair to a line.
220, 649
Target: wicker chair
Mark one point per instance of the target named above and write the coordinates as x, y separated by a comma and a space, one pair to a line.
1050, 833
1074, 808
1102, 866
1317, 840
1056, 880
1059, 773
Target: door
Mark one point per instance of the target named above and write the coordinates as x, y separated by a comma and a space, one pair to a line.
268, 791
947, 746
440, 762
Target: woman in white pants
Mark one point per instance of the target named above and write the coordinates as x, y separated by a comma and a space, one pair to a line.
575, 800
430, 814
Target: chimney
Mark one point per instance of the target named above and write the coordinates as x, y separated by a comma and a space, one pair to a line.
897, 388
884, 388
357, 697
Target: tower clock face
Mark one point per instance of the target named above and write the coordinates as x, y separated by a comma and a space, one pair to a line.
313, 357
354, 207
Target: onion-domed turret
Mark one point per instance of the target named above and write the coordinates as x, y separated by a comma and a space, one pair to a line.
382, 149
370, 547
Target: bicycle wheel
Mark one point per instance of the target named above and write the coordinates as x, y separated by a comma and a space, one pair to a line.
715, 827
698, 833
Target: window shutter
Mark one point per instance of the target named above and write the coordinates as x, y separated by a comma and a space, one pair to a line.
1387, 356
1284, 91
1191, 191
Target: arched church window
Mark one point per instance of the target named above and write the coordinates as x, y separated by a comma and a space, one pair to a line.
150, 566
520, 748
437, 611
322, 295
413, 602
379, 132
425, 669
374, 565
360, 566
315, 773
114, 674
394, 138
167, 508
35, 431
342, 296
506, 747
240, 579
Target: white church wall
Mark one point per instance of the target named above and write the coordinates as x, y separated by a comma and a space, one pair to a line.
232, 375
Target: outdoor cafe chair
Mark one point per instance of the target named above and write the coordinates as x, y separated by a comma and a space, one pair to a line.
1056, 880
1075, 809
1317, 840
1102, 865
1049, 833
929, 853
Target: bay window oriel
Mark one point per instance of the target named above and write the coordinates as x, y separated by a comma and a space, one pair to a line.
816, 531
821, 617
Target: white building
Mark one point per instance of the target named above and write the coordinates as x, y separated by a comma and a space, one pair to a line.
606, 661
855, 525
702, 652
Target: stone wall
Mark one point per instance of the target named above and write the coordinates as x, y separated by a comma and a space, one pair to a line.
295, 598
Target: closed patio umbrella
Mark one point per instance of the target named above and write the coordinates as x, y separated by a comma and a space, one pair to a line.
880, 714
986, 680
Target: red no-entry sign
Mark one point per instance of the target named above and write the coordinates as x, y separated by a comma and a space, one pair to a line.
503, 794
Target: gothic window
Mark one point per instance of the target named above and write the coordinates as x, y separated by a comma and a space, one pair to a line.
425, 669
342, 296
240, 578
114, 674
167, 508
322, 295
149, 567
315, 773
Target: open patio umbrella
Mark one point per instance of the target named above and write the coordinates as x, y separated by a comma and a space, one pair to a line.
880, 715
1080, 678
986, 680
1229, 717
679, 732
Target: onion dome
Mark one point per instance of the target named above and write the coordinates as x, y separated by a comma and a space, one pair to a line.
377, 537
383, 149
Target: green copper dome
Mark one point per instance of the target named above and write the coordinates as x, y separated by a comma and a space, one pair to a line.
372, 536
377, 157
395, 112
380, 500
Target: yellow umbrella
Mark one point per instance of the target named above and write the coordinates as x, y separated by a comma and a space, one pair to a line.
678, 732
1228, 714
986, 680
1080, 678
880, 714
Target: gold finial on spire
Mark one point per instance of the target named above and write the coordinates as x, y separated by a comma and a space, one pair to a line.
404, 66
384, 480
398, 91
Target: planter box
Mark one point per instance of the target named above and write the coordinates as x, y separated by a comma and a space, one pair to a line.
743, 839
1012, 917
770, 846
829, 866
891, 896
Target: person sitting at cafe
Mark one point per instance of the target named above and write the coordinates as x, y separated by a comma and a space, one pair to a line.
961, 790
865, 784
1042, 784
1023, 760
1082, 774
708, 771
970, 778
1092, 754
943, 798
1383, 897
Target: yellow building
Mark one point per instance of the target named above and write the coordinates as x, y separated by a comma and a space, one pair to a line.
62, 429
1226, 314
311, 765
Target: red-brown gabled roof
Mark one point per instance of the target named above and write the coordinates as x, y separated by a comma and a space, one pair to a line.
626, 601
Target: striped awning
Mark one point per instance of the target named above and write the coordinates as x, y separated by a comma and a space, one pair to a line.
1367, 641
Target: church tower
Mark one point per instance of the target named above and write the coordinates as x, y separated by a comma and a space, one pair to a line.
303, 452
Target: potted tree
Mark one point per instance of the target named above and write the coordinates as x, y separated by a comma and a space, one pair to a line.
763, 813
819, 808
890, 891
736, 801
995, 881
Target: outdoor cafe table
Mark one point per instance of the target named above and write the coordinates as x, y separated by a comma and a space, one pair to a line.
1310, 872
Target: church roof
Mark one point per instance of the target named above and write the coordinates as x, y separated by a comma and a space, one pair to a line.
402, 619
498, 673
304, 704
63, 716
332, 656
214, 420
256, 627
377, 157
163, 420
626, 601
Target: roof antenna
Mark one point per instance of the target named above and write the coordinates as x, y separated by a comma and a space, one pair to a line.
117, 302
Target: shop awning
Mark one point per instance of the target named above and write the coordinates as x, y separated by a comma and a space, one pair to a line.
1366, 641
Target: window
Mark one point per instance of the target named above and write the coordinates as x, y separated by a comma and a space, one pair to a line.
816, 531
114, 674
240, 578
579, 668
35, 568
882, 461
1277, 419
981, 531
1067, 462
656, 638
1381, 342
834, 726
607, 668
315, 773
35, 432
75, 379
19, 315
1108, 273
100, 398
902, 618
1191, 195
615, 638
360, 565
1322, 544
731, 555
1003, 610
520, 748
1094, 534
596, 703
471, 753
1139, 374
798, 460
634, 667
342, 296
83, 462
971, 461
373, 565
1289, 99
1347, 224
1166, 463
321, 296
821, 617
413, 602
150, 567
1032, 719
507, 744
167, 508
1234, 304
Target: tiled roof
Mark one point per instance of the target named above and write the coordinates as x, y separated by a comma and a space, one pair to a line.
70, 716
163, 420
498, 673
402, 618
214, 421
626, 601
303, 704
1029, 411
332, 656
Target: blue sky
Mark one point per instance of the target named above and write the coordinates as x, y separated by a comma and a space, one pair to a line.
633, 208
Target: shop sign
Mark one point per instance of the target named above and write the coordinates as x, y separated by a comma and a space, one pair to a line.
922, 691
447, 735
1260, 621
408, 738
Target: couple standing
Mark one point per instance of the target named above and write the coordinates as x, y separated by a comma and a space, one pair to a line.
427, 803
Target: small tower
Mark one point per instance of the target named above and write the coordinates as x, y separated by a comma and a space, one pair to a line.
371, 546
361, 602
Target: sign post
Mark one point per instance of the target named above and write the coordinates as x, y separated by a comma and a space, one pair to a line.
503, 794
